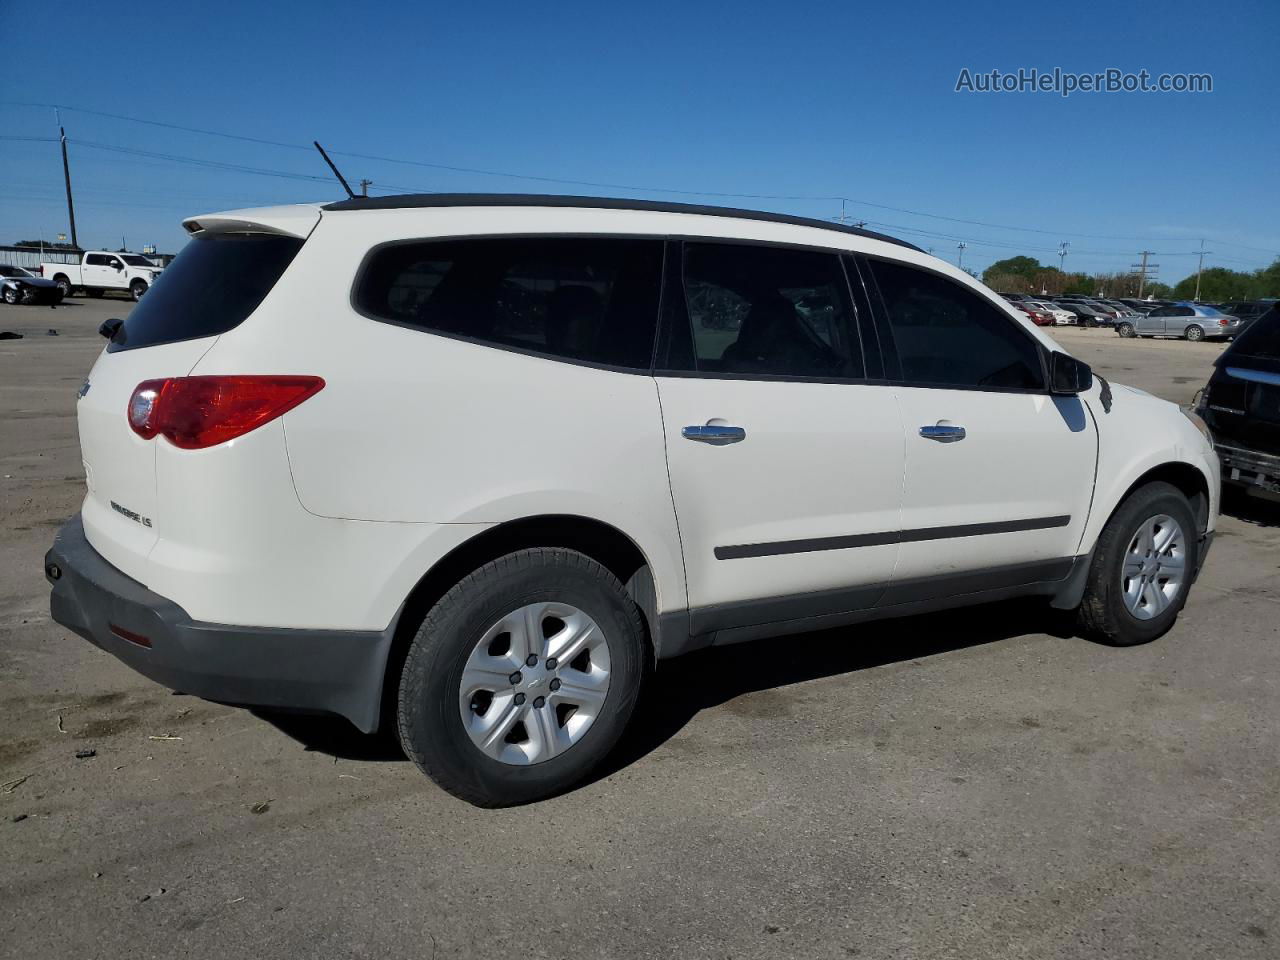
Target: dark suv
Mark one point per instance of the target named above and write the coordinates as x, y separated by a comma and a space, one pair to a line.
1241, 405
1247, 310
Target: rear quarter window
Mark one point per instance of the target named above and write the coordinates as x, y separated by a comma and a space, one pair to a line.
214, 284
586, 299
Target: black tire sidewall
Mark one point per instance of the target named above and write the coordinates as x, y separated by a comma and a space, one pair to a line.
1107, 616
431, 728
137, 289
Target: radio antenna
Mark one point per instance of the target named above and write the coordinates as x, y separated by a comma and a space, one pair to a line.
341, 179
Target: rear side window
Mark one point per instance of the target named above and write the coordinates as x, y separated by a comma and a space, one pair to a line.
588, 299
947, 335
216, 281
770, 311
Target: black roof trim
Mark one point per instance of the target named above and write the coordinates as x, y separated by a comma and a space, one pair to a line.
413, 200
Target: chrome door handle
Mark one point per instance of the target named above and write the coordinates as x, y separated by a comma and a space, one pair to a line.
717, 435
942, 433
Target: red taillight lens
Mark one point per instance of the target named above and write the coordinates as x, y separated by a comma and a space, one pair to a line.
1222, 322
197, 412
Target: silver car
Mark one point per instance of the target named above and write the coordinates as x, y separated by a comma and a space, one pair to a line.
1191, 321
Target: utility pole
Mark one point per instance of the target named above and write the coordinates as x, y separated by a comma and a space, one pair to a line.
1146, 271
1062, 256
364, 187
960, 259
66, 176
1199, 268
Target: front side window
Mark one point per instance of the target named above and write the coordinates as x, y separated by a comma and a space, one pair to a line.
593, 300
770, 311
947, 335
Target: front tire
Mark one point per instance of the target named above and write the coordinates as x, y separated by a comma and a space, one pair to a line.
522, 677
1194, 333
1126, 330
64, 285
137, 289
1143, 565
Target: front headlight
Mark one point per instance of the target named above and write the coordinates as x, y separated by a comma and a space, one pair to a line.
1200, 425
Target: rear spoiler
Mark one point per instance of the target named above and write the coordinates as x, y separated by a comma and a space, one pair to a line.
291, 221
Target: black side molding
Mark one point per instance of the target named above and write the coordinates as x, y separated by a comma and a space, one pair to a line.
780, 547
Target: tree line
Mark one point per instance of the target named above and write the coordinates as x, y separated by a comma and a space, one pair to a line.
1217, 284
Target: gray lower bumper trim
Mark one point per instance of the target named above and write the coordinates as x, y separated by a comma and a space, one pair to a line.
328, 671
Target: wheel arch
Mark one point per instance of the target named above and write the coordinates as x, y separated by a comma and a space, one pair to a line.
1187, 478
606, 544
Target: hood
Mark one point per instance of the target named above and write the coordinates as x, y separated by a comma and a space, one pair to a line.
30, 281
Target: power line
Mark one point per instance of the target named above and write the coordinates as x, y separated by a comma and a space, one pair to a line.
606, 185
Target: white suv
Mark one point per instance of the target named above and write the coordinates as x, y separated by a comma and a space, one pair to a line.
471, 464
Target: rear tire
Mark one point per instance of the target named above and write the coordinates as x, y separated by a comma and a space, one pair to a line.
1113, 613
11, 296
442, 724
1194, 333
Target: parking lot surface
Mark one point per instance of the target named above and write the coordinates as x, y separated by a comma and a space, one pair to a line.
972, 784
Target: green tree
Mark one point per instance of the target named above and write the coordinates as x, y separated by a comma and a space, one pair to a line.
1218, 284
1017, 266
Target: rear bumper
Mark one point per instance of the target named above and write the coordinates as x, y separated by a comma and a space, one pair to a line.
1249, 468
325, 671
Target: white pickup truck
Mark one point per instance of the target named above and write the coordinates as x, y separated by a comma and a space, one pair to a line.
101, 270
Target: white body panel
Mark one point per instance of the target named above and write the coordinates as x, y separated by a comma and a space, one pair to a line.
819, 460
1025, 456
327, 517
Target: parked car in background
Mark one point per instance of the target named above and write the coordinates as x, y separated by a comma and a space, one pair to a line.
1247, 310
1141, 306
1087, 313
20, 286
1190, 321
303, 450
1241, 405
1039, 316
100, 271
1060, 316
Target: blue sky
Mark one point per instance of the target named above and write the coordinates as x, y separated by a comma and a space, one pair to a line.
800, 99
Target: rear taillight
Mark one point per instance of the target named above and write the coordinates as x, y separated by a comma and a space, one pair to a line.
197, 412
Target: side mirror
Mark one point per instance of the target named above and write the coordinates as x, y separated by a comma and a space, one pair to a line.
1068, 376
118, 265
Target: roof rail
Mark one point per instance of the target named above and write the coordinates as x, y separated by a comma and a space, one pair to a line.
413, 200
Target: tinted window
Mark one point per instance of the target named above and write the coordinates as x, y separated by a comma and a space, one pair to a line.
216, 281
949, 336
589, 299
769, 311
1160, 312
97, 260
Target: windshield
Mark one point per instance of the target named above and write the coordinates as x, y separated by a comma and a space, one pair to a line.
136, 261
217, 281
14, 272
